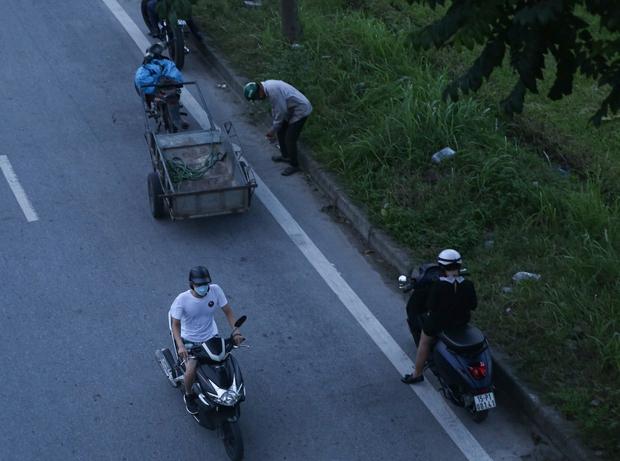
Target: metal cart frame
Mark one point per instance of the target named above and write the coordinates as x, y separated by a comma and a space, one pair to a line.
209, 196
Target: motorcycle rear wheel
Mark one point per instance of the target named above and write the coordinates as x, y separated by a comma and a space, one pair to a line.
479, 416
476, 416
233, 443
164, 110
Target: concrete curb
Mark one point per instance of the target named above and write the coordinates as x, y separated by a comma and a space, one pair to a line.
562, 433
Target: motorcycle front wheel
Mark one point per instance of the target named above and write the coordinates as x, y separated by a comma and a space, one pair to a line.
176, 45
233, 443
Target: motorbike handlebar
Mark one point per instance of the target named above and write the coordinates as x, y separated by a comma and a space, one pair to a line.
168, 85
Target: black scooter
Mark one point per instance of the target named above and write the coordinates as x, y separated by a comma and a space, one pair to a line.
461, 359
219, 386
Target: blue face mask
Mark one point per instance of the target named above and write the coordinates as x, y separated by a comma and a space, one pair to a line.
201, 290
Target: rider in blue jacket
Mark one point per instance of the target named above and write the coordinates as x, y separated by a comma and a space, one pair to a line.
155, 66
155, 69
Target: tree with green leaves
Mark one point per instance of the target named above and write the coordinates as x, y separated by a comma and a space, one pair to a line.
581, 36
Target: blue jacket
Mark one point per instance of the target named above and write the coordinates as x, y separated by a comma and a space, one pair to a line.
149, 74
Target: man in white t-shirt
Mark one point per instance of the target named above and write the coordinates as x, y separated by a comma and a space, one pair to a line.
192, 323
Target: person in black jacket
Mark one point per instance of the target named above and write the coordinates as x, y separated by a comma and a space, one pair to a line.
449, 303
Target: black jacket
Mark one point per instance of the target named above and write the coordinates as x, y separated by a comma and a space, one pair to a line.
449, 304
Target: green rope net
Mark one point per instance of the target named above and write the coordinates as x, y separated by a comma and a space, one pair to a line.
179, 170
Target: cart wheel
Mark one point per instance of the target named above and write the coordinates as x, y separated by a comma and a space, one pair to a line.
155, 198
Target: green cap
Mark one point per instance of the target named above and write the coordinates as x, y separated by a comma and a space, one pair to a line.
250, 91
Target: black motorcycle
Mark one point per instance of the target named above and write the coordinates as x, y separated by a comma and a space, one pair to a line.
219, 386
164, 105
461, 359
172, 32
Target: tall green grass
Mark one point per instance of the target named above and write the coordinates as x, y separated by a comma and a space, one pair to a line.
379, 117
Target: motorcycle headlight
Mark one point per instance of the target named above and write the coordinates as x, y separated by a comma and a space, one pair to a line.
228, 398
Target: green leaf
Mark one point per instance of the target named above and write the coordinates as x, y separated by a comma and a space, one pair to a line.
530, 30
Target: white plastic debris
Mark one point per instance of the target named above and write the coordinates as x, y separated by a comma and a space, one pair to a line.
443, 154
520, 276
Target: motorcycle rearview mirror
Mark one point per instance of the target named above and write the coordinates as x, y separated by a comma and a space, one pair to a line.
240, 321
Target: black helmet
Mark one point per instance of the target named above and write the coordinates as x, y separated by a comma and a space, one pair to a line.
199, 275
155, 51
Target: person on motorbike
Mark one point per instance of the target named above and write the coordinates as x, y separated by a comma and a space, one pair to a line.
152, 7
449, 304
157, 69
192, 322
155, 66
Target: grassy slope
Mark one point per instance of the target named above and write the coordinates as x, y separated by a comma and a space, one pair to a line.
378, 118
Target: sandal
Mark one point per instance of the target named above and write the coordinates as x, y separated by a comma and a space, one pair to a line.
410, 379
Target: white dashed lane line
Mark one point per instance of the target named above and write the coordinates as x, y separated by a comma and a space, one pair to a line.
18, 190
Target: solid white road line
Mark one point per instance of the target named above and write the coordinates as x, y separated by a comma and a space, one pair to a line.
459, 434
17, 189
466, 442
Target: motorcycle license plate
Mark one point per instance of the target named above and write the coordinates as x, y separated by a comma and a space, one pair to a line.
484, 401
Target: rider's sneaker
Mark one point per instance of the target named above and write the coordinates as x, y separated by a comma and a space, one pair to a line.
190, 403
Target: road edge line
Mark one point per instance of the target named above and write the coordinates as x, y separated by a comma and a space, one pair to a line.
17, 189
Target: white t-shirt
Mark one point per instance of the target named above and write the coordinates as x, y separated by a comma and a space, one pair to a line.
196, 314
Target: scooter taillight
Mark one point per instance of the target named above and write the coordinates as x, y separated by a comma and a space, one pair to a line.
478, 370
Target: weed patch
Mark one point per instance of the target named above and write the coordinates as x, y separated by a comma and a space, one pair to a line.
543, 188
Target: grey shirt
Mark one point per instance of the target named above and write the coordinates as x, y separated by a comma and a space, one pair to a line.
287, 103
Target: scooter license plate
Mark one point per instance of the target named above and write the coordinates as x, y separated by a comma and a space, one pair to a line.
484, 401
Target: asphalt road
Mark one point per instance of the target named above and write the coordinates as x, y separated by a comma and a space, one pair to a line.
86, 287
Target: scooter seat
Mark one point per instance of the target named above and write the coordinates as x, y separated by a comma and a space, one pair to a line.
463, 339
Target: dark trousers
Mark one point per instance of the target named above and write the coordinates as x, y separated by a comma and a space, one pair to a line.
152, 12
287, 137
